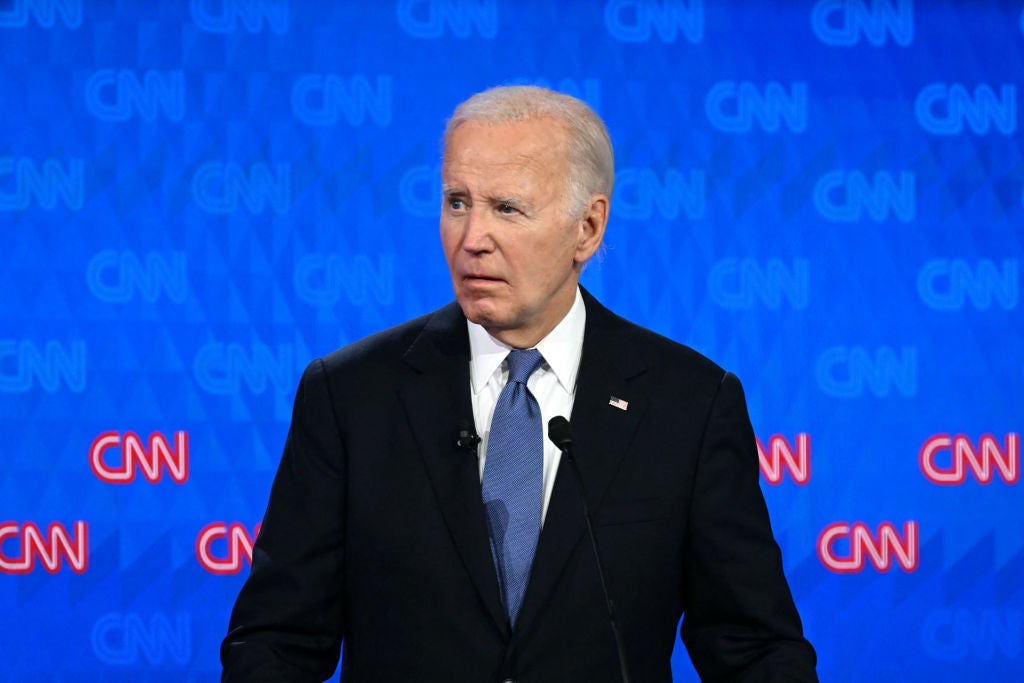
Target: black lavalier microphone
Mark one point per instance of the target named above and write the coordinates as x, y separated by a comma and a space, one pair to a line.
560, 434
468, 439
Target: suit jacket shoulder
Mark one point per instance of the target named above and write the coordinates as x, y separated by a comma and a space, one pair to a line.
634, 349
374, 369
436, 330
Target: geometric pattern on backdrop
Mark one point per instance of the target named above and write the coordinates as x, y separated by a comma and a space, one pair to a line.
197, 198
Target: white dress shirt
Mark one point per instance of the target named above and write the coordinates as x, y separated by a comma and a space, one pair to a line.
553, 384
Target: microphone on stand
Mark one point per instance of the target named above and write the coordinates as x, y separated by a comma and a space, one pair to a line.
560, 434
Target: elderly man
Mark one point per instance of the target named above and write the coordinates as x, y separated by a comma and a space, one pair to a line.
421, 518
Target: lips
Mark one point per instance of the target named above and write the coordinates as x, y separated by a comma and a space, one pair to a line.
480, 277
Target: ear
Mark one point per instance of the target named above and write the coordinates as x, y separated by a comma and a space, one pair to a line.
591, 228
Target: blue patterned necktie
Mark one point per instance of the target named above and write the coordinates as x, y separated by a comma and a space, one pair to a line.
513, 477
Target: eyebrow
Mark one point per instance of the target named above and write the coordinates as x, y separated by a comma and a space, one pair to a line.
457, 191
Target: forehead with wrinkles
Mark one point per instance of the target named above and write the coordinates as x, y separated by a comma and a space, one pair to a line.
530, 154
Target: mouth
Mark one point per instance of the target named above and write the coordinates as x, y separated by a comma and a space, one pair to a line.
479, 279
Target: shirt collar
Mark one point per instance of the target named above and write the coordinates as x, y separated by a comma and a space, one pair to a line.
561, 348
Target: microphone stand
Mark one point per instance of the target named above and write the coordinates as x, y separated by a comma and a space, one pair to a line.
561, 435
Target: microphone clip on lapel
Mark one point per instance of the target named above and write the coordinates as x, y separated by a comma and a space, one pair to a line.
467, 438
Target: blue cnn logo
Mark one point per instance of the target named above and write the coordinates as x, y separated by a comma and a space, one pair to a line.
428, 18
956, 634
223, 187
222, 368
119, 94
944, 109
23, 363
321, 279
850, 372
635, 21
734, 107
741, 283
419, 191
226, 16
843, 22
846, 196
126, 639
638, 191
946, 285
45, 12
117, 277
319, 100
46, 185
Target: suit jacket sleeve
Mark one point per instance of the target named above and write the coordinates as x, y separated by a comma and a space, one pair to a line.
288, 621
740, 622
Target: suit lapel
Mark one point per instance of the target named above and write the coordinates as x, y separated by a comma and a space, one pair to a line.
601, 434
441, 357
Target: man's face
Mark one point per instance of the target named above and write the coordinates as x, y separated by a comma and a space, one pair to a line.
513, 249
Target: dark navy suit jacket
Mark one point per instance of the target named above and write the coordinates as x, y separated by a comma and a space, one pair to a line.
375, 533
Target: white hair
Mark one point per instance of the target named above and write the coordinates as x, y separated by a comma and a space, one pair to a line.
591, 160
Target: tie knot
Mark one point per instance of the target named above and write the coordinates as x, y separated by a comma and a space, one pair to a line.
522, 363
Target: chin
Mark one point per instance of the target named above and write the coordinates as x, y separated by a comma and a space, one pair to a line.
481, 318
483, 315
474, 311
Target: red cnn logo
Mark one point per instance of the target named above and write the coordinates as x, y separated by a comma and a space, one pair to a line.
152, 461
781, 456
879, 549
964, 456
57, 543
239, 545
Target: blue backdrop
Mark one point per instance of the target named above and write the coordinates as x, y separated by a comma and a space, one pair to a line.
196, 198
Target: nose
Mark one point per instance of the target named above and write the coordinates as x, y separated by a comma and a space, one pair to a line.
477, 238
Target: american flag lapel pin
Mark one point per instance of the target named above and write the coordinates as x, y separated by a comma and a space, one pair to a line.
618, 403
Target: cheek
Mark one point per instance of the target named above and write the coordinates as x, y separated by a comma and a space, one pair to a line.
562, 250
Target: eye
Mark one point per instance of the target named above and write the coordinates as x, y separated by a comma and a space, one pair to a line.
506, 209
456, 204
